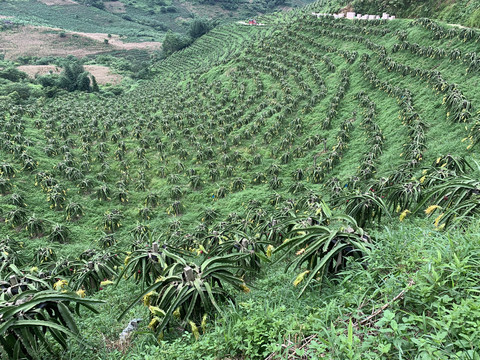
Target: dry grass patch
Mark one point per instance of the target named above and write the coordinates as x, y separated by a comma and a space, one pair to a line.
102, 74
118, 43
44, 41
115, 7
40, 41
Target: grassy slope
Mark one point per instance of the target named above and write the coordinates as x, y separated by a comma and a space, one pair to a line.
197, 87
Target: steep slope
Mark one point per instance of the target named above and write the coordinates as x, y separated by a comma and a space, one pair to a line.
242, 136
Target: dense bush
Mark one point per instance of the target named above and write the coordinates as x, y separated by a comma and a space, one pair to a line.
199, 27
13, 74
174, 42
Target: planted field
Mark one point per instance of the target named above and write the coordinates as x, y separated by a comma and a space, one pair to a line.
79, 18
303, 189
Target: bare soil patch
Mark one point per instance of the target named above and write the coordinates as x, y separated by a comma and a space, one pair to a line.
43, 41
118, 43
58, 2
102, 74
115, 7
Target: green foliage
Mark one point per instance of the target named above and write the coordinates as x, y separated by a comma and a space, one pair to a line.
13, 74
199, 27
189, 292
74, 78
35, 317
324, 244
233, 149
174, 42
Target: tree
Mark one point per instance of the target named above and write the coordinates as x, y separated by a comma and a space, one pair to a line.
94, 85
83, 82
13, 74
198, 27
174, 42
74, 77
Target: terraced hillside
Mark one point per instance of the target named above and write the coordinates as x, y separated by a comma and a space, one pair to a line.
260, 155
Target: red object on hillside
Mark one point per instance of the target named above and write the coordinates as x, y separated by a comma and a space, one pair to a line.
252, 22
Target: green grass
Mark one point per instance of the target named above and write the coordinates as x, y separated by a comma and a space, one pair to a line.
430, 316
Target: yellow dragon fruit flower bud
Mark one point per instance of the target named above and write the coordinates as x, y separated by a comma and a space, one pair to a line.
300, 278
300, 252
60, 284
437, 220
176, 313
81, 293
195, 331
147, 299
269, 250
204, 323
156, 311
404, 214
245, 288
153, 323
431, 209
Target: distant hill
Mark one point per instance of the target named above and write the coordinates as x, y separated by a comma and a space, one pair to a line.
136, 19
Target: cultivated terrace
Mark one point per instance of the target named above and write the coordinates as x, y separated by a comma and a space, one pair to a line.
303, 188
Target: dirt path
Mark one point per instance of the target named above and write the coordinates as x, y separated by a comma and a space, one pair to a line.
458, 25
246, 23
